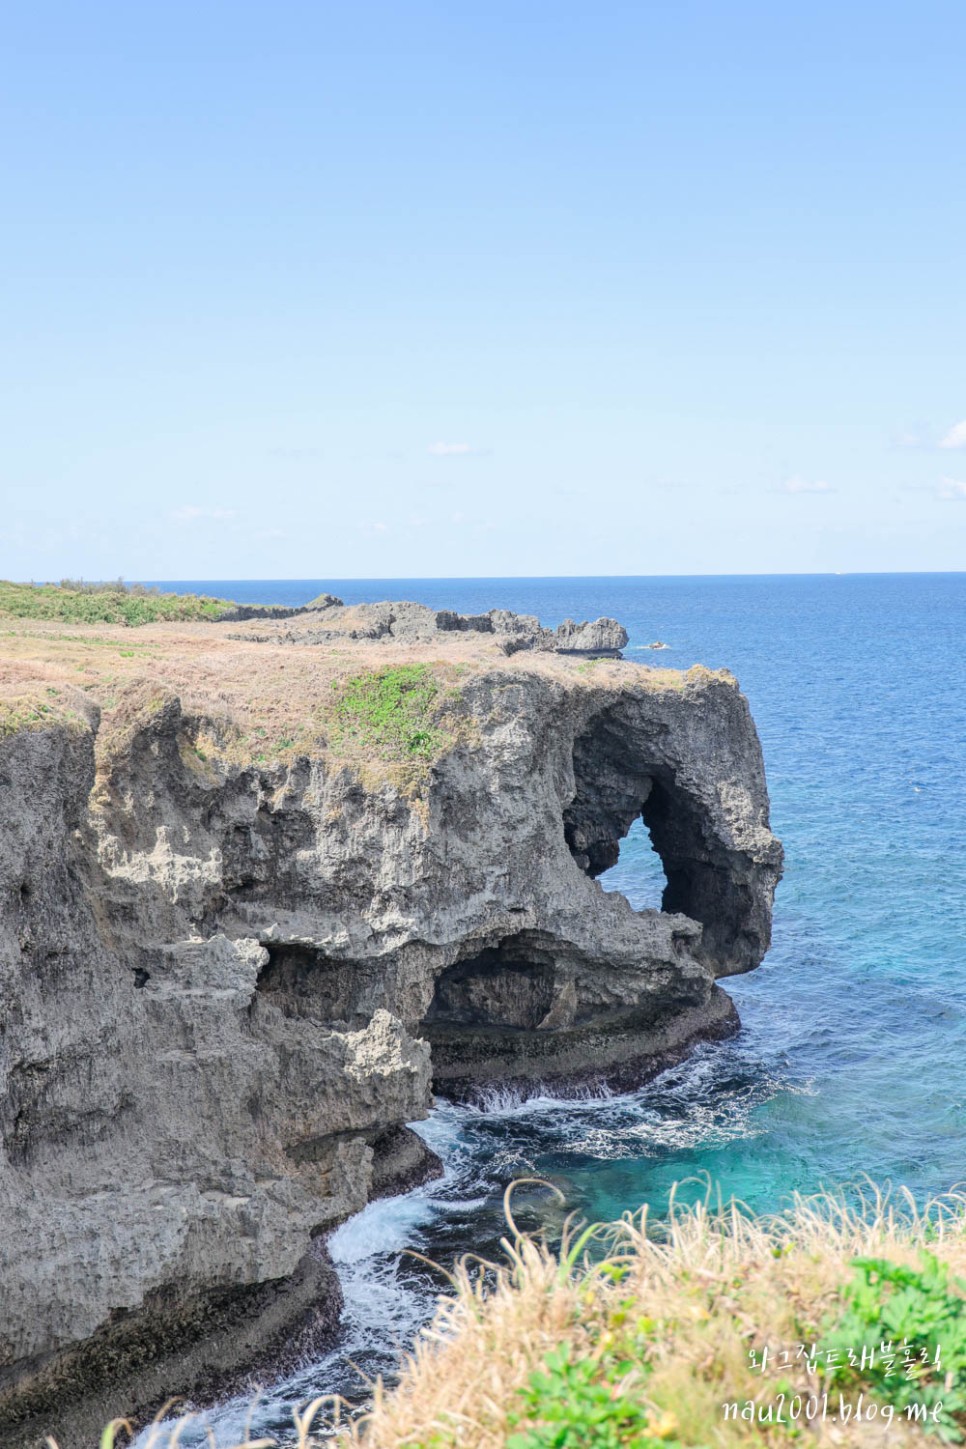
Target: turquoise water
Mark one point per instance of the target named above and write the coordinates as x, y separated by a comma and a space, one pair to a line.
852, 1053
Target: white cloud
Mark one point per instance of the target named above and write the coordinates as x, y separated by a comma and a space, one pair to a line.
956, 437
805, 485
952, 490
190, 513
450, 450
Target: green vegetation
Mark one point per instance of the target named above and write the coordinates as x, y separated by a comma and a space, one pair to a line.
73, 601
914, 1323
572, 1404
390, 712
36, 710
390, 724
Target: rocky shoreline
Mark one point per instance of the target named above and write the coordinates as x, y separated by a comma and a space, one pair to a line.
262, 895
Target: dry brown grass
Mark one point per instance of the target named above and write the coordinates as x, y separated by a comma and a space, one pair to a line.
700, 1291
688, 1297
261, 701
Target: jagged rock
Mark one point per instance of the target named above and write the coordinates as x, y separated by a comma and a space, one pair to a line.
321, 602
221, 981
409, 623
603, 637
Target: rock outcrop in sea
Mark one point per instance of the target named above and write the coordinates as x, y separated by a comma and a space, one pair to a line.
238, 952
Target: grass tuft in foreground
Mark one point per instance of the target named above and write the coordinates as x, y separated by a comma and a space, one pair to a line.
837, 1323
840, 1322
74, 601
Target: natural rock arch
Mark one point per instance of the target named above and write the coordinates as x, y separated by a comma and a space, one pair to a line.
623, 771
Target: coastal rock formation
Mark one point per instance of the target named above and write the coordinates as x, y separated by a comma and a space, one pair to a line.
417, 624
229, 974
238, 613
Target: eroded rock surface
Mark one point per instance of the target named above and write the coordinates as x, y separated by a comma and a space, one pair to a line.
327, 621
222, 979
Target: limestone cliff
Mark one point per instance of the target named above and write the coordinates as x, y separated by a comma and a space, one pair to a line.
257, 895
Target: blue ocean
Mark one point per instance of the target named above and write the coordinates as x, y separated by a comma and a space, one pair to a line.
852, 1054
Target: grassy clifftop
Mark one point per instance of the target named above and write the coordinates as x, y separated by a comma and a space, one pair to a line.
73, 601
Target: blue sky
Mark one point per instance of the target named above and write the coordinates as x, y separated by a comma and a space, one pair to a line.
414, 289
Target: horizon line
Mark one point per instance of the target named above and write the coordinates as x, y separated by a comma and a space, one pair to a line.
552, 578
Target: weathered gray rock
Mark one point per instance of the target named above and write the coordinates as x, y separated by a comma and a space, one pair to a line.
219, 985
408, 623
602, 637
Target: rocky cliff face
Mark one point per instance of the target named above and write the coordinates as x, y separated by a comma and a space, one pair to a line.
226, 983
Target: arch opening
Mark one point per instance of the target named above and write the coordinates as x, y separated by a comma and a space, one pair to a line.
638, 874
622, 774
630, 816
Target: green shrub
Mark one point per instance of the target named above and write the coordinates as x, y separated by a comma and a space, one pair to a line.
390, 712
921, 1313
582, 1404
116, 603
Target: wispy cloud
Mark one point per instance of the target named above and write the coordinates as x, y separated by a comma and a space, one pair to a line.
956, 437
952, 490
927, 438
377, 528
805, 485
911, 438
451, 450
191, 513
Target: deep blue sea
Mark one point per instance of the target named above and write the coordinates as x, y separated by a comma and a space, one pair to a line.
852, 1053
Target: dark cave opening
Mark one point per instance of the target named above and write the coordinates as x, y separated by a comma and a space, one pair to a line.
305, 983
510, 984
675, 829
